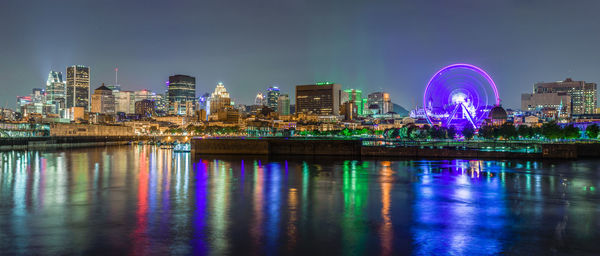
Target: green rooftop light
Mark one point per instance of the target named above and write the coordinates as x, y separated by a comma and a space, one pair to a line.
324, 83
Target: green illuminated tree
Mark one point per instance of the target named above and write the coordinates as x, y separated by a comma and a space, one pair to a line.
346, 132
571, 132
552, 131
592, 131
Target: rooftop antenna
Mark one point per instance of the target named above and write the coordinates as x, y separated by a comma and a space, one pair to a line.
116, 76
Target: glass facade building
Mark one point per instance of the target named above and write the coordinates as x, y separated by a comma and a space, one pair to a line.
273, 97
320, 98
78, 87
56, 90
181, 93
283, 105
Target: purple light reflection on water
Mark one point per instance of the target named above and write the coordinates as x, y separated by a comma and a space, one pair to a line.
94, 198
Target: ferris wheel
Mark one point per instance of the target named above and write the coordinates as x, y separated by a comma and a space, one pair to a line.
459, 95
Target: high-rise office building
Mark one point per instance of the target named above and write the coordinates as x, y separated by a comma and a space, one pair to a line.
78, 87
219, 100
574, 97
283, 104
103, 101
273, 97
355, 97
161, 104
124, 101
381, 100
259, 100
38, 95
55, 91
320, 98
181, 93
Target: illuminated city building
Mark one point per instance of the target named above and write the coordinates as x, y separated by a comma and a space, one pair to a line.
78, 87
55, 91
283, 104
35, 103
124, 102
273, 97
181, 90
498, 116
38, 95
22, 103
219, 100
349, 110
320, 98
381, 100
144, 107
161, 104
259, 100
103, 101
355, 96
572, 97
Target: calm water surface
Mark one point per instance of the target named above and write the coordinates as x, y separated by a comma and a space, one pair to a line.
143, 200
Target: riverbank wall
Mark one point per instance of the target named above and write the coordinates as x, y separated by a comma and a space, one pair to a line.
355, 148
276, 147
63, 142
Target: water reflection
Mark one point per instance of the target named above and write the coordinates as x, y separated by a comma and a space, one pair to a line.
142, 200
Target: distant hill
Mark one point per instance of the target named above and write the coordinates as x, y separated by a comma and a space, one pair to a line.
400, 110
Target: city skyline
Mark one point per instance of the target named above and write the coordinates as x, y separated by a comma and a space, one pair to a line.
360, 46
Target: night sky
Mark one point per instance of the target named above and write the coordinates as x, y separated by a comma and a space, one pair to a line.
249, 45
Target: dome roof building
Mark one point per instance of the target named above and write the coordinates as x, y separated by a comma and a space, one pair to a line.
498, 115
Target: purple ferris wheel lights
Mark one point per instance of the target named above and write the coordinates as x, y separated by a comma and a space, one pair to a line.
458, 95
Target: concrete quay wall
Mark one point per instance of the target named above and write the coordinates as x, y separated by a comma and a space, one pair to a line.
322, 147
40, 143
276, 147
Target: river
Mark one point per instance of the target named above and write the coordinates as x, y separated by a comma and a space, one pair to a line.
143, 200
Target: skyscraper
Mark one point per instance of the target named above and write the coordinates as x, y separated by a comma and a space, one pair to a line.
124, 101
320, 98
55, 91
103, 101
283, 104
273, 97
78, 87
219, 100
181, 94
355, 97
259, 100
381, 100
